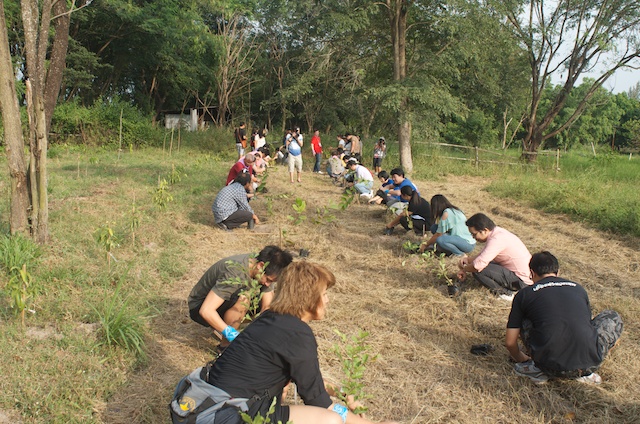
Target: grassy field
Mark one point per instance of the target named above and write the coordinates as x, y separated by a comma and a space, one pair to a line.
68, 364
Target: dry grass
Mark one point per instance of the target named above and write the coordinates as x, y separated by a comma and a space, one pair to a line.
424, 372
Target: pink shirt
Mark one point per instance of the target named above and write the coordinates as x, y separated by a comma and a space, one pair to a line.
507, 250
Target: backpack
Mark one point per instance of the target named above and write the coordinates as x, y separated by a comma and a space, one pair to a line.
195, 401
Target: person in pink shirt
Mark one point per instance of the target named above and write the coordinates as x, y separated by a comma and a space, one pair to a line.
503, 264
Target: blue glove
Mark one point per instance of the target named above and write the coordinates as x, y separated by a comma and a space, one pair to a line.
230, 333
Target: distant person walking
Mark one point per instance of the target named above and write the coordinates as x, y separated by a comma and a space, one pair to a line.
241, 139
294, 147
316, 148
379, 152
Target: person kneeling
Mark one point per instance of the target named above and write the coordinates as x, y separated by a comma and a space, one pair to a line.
220, 299
279, 347
231, 207
553, 319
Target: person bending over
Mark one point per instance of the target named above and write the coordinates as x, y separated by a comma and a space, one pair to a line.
553, 319
219, 299
503, 264
451, 236
231, 206
417, 209
279, 347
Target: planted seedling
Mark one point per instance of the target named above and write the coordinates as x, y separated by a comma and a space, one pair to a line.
354, 359
18, 288
107, 239
259, 419
161, 195
299, 207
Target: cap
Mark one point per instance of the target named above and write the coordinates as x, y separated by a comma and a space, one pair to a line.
382, 139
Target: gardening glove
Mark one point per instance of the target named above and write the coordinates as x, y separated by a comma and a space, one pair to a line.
230, 333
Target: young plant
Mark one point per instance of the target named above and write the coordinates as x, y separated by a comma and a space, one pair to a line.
259, 419
252, 289
411, 247
299, 207
134, 222
323, 215
347, 198
354, 358
19, 291
106, 238
176, 175
161, 195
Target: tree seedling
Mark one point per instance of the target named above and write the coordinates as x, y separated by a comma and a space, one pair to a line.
354, 359
161, 195
107, 239
19, 290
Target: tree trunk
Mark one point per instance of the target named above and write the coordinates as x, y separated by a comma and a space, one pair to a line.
57, 62
531, 143
398, 19
36, 35
14, 143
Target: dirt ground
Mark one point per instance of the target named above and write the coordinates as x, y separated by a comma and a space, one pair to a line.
424, 372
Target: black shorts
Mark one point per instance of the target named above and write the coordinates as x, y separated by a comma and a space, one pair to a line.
222, 309
377, 162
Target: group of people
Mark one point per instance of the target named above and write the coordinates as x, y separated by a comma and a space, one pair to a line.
550, 315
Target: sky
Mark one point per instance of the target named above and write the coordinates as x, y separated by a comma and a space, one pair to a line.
622, 80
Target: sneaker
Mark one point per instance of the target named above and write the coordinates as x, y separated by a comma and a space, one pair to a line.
529, 369
388, 231
592, 378
223, 227
320, 172
366, 196
507, 297
251, 224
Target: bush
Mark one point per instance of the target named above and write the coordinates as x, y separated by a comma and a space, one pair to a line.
100, 124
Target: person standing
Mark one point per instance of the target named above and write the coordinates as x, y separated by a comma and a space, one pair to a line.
553, 319
294, 147
316, 148
379, 152
241, 139
503, 264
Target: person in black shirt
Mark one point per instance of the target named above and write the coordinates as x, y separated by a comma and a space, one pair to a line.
418, 210
279, 347
553, 319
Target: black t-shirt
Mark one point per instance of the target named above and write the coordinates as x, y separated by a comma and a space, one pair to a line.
419, 206
241, 134
274, 349
562, 338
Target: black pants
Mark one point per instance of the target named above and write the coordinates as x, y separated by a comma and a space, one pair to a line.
499, 279
237, 219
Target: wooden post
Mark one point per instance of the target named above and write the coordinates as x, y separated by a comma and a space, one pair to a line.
120, 148
477, 157
557, 160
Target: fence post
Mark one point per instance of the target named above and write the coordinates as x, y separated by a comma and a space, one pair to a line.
477, 157
557, 160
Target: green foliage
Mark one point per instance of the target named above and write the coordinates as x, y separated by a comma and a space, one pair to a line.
299, 207
17, 251
354, 359
134, 222
252, 289
161, 196
324, 215
100, 124
121, 324
19, 290
347, 198
107, 239
259, 419
410, 247
176, 174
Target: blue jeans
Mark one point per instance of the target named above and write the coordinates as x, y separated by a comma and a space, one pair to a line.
364, 187
454, 244
316, 166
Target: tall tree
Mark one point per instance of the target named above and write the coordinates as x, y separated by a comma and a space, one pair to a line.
565, 39
14, 143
